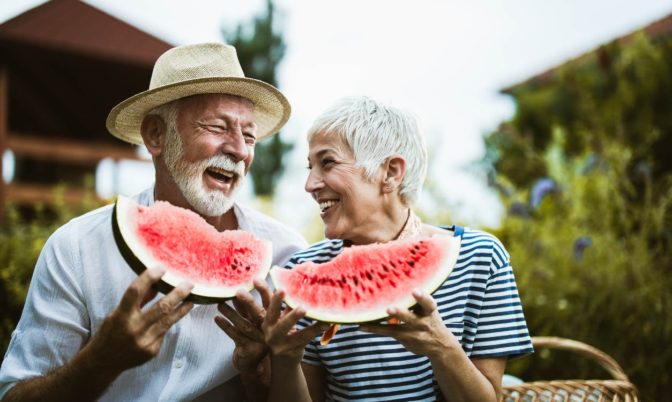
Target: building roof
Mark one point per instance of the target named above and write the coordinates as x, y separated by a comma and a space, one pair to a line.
76, 27
68, 63
660, 28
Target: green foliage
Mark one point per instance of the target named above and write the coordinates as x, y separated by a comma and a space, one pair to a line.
592, 245
260, 50
22, 236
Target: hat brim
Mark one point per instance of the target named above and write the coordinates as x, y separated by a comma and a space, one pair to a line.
271, 108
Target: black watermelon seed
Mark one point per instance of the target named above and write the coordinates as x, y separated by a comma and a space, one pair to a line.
368, 275
411, 263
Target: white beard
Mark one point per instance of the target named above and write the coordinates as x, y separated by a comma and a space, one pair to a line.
189, 177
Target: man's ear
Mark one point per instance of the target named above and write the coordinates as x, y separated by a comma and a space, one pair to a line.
153, 131
395, 171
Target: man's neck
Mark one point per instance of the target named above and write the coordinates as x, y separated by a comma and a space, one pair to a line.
227, 221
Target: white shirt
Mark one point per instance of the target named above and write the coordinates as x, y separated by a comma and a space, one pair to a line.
80, 278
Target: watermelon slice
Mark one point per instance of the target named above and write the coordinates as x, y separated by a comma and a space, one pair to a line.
362, 282
217, 263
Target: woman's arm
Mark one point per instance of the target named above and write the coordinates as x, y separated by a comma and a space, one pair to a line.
460, 378
287, 344
315, 378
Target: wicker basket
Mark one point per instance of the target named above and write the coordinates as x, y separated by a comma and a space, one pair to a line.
619, 389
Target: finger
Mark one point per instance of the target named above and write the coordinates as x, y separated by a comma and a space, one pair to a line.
137, 290
243, 325
149, 296
309, 333
252, 309
403, 315
380, 329
264, 291
286, 323
241, 308
273, 312
159, 329
426, 302
230, 330
165, 306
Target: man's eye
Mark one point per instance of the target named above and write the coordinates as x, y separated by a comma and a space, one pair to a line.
216, 129
250, 139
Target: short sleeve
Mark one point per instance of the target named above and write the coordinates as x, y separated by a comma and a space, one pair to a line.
54, 324
501, 329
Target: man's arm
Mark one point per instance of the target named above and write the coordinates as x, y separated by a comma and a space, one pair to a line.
128, 337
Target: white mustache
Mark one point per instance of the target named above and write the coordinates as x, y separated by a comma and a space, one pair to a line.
226, 162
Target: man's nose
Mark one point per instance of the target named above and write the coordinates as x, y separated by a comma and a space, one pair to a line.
235, 145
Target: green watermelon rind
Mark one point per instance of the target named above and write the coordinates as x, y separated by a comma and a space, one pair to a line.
407, 301
139, 258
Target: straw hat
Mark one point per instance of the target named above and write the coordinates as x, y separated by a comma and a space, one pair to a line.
199, 69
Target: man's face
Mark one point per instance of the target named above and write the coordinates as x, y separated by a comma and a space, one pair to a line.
210, 148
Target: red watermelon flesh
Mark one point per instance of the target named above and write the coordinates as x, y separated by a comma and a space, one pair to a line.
361, 283
218, 263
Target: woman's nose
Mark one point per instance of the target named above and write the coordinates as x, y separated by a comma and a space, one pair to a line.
313, 182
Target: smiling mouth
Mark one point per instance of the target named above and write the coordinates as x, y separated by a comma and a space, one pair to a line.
221, 175
324, 205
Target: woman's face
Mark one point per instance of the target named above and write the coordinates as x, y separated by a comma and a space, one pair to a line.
350, 203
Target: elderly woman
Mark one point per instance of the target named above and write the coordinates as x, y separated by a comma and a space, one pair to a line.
367, 163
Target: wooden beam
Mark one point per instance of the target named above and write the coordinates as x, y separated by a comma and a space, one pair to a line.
64, 150
44, 194
3, 134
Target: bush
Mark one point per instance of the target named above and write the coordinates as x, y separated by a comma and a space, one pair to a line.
592, 260
22, 236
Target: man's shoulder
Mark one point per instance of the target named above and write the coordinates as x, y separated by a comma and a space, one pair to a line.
97, 219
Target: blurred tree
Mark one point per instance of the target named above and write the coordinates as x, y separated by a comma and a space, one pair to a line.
22, 237
260, 49
584, 170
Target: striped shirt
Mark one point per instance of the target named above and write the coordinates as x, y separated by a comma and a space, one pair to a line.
478, 302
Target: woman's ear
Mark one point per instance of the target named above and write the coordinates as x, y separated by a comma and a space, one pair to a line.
153, 131
395, 170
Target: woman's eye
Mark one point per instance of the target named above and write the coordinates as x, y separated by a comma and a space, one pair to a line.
328, 162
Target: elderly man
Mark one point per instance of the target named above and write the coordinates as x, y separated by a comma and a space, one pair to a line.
91, 329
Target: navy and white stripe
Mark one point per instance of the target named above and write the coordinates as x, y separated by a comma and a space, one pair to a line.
478, 302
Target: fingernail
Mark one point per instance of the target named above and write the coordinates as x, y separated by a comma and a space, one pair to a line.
186, 286
158, 271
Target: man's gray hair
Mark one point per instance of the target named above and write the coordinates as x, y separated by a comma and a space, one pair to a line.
375, 131
168, 112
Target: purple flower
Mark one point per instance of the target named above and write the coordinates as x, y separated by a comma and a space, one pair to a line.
541, 188
580, 245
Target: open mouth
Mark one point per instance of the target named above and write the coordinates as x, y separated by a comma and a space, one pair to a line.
325, 205
223, 176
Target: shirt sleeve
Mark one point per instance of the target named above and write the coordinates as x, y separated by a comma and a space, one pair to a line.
501, 329
54, 324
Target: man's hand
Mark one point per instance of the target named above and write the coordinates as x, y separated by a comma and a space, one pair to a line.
243, 326
129, 336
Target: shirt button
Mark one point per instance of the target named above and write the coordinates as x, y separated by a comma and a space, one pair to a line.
179, 364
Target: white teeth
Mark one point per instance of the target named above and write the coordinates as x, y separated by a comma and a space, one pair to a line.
222, 172
326, 204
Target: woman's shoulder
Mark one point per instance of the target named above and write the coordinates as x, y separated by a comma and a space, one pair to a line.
321, 251
476, 240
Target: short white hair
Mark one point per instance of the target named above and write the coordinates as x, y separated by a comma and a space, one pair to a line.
375, 131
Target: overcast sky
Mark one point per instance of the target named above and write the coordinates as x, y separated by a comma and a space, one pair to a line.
444, 60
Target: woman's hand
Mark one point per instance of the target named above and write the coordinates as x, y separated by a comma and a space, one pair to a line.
421, 332
243, 326
285, 341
